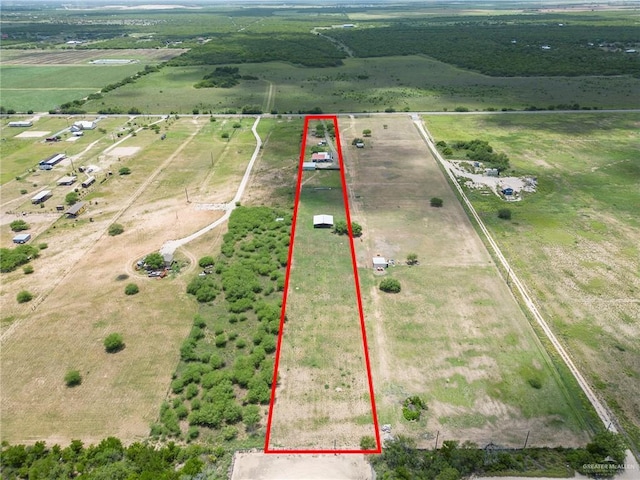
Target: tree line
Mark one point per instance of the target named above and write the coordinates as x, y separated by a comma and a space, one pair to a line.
505, 49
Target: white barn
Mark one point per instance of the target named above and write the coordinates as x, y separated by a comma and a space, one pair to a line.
322, 221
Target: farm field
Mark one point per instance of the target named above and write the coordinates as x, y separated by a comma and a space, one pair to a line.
43, 80
575, 241
454, 335
322, 399
415, 83
79, 280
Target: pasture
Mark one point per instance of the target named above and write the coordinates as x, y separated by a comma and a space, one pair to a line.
79, 281
454, 335
43, 80
322, 398
575, 241
411, 83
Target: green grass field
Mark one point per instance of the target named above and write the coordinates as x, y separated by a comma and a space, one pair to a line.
581, 226
413, 83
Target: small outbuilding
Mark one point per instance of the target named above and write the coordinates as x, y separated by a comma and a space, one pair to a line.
88, 182
21, 123
67, 180
308, 165
76, 209
22, 238
322, 221
168, 259
41, 197
380, 262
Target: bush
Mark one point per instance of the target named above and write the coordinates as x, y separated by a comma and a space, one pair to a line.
154, 261
71, 198
27, 269
124, 171
412, 259
113, 343
43, 246
115, 229
390, 285
206, 261
19, 225
73, 378
436, 202
412, 408
131, 289
24, 296
504, 213
368, 443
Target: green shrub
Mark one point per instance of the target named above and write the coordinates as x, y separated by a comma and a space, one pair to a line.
131, 289
19, 225
206, 261
73, 378
27, 269
24, 296
436, 202
124, 171
390, 285
115, 229
368, 443
113, 343
535, 383
71, 198
504, 214
43, 246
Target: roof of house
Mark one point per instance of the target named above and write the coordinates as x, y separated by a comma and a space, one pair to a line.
323, 219
379, 261
321, 156
22, 237
75, 208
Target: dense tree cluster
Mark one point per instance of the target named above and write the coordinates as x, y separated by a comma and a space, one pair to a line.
297, 48
221, 77
12, 258
110, 459
507, 49
226, 368
477, 151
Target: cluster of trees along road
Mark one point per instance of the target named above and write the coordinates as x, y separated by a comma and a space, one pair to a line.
226, 367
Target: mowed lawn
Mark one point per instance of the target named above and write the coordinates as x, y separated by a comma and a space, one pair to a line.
322, 398
454, 335
575, 242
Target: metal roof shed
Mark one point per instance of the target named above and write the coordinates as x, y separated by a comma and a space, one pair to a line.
322, 221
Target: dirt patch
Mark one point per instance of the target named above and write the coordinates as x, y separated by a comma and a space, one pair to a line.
260, 466
33, 134
120, 152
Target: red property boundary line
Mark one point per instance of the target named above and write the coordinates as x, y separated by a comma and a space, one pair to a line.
378, 448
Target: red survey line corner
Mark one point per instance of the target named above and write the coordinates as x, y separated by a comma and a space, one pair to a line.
378, 448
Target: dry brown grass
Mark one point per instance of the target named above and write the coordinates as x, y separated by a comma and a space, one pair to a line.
79, 301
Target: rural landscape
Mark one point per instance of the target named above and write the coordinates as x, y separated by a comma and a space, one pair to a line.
309, 240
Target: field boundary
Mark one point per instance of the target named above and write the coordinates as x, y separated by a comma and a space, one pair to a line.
378, 448
600, 407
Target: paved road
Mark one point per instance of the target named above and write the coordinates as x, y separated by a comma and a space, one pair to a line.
603, 412
171, 246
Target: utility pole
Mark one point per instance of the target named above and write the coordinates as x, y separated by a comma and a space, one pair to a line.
526, 440
186, 194
437, 435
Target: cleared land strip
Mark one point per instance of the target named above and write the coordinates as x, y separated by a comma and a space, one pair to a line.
322, 401
604, 414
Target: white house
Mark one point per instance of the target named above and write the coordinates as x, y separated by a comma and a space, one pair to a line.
85, 125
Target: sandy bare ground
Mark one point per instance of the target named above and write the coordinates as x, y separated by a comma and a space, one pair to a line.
261, 466
33, 134
80, 57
